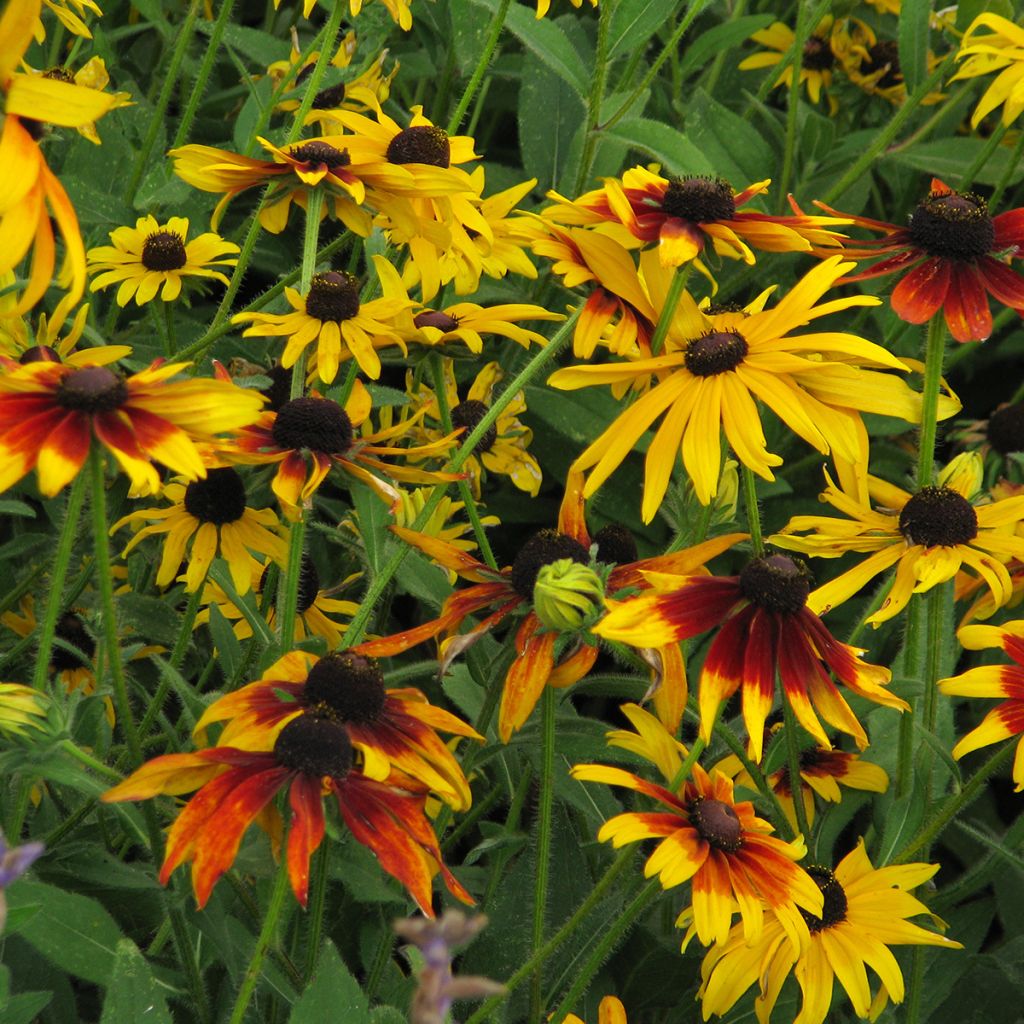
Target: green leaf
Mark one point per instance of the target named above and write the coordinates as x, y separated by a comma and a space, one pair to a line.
260, 47
671, 148
550, 113
16, 508
133, 993
547, 42
950, 158
734, 147
72, 931
968, 10
373, 518
915, 16
25, 1007
229, 650
333, 994
719, 39
387, 1015
149, 617
635, 21
901, 818
469, 25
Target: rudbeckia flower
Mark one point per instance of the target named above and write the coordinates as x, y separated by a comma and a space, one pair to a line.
816, 61
91, 75
22, 709
954, 255
765, 629
210, 515
332, 315
153, 257
683, 216
611, 1011
32, 194
394, 730
311, 758
714, 367
1005, 681
71, 14
928, 535
50, 414
398, 9
705, 837
71, 660
1001, 49
865, 912
468, 322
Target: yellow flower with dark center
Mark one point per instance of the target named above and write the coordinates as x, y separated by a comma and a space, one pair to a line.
213, 515
153, 257
715, 367
398, 9
332, 315
71, 660
468, 322
1000, 49
865, 912
22, 709
928, 535
91, 75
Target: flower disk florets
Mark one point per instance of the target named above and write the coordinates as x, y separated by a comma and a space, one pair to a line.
1006, 429
314, 746
715, 352
938, 516
164, 250
330, 98
421, 144
71, 629
218, 499
345, 687
468, 414
615, 545
92, 389
776, 583
314, 423
333, 296
884, 54
701, 200
834, 910
542, 549
953, 226
817, 55
717, 824
318, 153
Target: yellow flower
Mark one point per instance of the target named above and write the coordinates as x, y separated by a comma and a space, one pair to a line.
611, 1010
543, 6
21, 709
1000, 49
153, 257
71, 14
816, 61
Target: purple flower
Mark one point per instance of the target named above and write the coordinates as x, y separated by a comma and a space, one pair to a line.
14, 862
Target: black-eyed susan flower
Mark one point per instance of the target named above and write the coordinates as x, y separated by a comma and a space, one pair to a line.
994, 44
51, 413
322, 430
683, 216
817, 60
705, 837
71, 660
332, 316
206, 518
715, 368
865, 912
610, 1011
952, 256
400, 10
71, 14
766, 629
394, 730
310, 758
468, 322
1006, 719
22, 709
928, 535
153, 257
91, 75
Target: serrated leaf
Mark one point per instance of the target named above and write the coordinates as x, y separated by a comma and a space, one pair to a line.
133, 993
676, 153
333, 994
915, 16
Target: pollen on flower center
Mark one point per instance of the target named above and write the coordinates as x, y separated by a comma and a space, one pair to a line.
218, 499
716, 823
715, 352
436, 318
1006, 429
330, 98
314, 423
701, 200
615, 545
309, 584
92, 389
333, 296
164, 250
421, 144
938, 516
317, 153
777, 583
817, 55
834, 909
468, 414
884, 54
542, 549
59, 74
953, 226
314, 746
71, 629
345, 687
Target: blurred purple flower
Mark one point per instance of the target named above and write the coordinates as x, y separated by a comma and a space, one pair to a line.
14, 862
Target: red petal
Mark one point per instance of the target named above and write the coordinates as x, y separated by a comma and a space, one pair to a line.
527, 677
1003, 282
307, 831
700, 603
1009, 229
921, 293
966, 306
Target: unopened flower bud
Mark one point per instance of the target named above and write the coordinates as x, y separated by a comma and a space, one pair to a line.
566, 594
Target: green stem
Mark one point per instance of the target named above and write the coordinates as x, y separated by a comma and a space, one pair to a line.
800, 33
935, 349
1011, 166
288, 595
263, 940
55, 595
73, 750
486, 55
160, 326
680, 275
546, 804
753, 512
991, 144
157, 118
912, 668
595, 97
213, 51
915, 989
793, 763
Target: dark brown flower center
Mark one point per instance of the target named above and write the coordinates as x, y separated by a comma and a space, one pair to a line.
218, 499
330, 98
92, 389
817, 55
542, 549
59, 74
715, 352
333, 296
809, 757
938, 516
468, 414
39, 354
953, 226
884, 54
71, 629
314, 746
717, 308
615, 545
717, 824
309, 584
776, 583
280, 390
421, 144
314, 423
1006, 429
320, 154
834, 909
436, 318
345, 687
700, 200
164, 250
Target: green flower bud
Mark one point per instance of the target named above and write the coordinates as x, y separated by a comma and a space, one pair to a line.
567, 595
